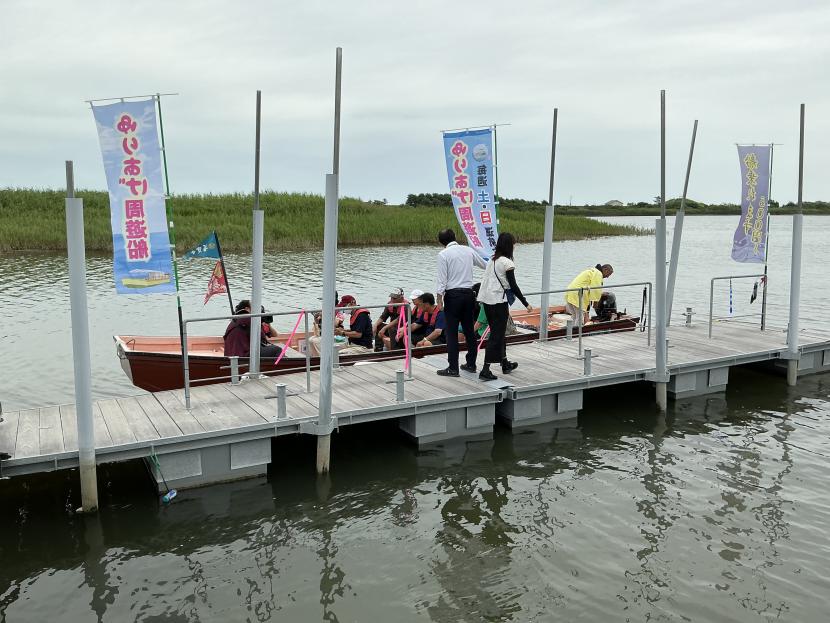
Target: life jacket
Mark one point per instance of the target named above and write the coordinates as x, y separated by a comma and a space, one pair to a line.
429, 318
356, 313
395, 311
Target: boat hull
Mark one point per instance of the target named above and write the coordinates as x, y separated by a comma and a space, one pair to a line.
160, 371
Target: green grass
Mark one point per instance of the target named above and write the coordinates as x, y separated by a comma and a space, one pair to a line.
34, 220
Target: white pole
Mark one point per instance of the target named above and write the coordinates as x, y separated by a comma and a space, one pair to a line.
547, 252
76, 252
678, 232
329, 286
256, 259
795, 270
660, 269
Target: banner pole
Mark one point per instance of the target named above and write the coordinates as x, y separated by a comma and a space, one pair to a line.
171, 228
678, 232
224, 272
547, 250
661, 380
766, 243
496, 201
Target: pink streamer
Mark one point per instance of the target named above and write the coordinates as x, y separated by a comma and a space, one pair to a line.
483, 337
291, 337
402, 324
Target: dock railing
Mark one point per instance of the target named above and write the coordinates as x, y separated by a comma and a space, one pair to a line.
731, 277
645, 324
234, 361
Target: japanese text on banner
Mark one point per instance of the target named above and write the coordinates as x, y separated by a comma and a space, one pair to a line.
750, 239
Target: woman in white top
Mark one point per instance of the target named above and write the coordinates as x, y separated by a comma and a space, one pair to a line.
498, 278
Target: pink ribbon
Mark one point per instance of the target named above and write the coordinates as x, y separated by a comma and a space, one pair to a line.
483, 337
402, 324
291, 337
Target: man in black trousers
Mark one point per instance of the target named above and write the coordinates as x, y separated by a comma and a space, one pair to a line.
454, 287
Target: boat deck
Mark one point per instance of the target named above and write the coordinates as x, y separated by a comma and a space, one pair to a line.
45, 439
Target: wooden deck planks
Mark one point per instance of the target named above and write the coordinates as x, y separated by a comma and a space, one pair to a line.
102, 433
69, 427
117, 424
161, 420
140, 424
28, 435
8, 432
181, 417
50, 432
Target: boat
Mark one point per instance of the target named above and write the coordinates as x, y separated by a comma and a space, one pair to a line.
154, 363
145, 278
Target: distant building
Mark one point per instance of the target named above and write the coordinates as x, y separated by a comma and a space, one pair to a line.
614, 203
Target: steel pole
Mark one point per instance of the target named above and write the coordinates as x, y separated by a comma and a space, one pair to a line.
256, 259
327, 330
678, 232
547, 252
795, 269
76, 252
766, 243
660, 312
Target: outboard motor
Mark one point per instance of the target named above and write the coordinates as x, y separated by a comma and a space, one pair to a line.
606, 307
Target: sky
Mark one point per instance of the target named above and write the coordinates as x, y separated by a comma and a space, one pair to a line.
412, 69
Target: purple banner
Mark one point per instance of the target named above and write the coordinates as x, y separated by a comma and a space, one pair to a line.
750, 241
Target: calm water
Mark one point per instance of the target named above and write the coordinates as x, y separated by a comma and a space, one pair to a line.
715, 512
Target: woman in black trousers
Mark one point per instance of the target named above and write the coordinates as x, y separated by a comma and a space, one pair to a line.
499, 278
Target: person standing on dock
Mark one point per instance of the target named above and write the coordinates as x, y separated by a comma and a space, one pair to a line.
454, 287
588, 278
497, 292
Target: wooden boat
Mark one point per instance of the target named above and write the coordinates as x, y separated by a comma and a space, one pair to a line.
155, 363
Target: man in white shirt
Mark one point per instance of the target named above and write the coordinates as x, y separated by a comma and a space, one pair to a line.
454, 287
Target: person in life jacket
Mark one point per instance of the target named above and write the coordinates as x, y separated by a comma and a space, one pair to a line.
386, 325
237, 336
360, 327
430, 326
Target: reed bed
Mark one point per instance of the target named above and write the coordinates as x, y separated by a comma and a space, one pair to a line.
34, 220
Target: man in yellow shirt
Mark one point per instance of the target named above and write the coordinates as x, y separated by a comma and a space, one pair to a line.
589, 278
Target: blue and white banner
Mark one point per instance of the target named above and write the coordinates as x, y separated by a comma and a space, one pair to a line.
132, 162
750, 241
470, 172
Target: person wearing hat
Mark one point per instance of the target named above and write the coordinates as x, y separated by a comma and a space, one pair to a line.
386, 325
360, 328
590, 281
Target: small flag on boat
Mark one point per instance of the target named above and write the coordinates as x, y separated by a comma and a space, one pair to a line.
754, 293
209, 247
217, 283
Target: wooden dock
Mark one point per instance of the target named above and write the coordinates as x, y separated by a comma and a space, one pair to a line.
227, 432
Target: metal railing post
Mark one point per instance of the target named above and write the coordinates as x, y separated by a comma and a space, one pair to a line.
234, 370
648, 335
399, 385
186, 366
689, 314
586, 362
569, 329
282, 413
711, 304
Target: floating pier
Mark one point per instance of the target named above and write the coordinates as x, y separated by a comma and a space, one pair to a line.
226, 435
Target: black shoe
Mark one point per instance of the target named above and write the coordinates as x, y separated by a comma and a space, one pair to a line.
486, 375
447, 372
467, 367
508, 366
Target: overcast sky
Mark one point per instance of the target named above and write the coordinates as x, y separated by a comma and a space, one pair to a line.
414, 68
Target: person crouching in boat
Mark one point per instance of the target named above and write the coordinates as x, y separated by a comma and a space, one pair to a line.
237, 336
360, 328
430, 326
588, 278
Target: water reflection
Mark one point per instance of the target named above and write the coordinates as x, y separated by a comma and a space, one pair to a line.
639, 512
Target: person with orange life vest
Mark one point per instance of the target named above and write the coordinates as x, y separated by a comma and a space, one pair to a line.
430, 325
360, 328
385, 327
